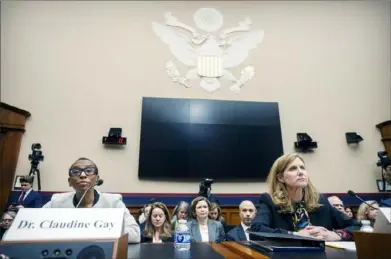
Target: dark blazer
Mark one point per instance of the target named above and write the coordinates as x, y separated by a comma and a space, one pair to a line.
145, 239
268, 219
32, 200
236, 234
215, 231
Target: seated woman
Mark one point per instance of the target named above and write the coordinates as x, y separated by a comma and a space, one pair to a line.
294, 206
348, 212
215, 214
82, 176
181, 211
157, 226
203, 229
366, 212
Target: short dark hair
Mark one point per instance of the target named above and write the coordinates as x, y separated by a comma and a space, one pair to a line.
86, 159
194, 203
27, 179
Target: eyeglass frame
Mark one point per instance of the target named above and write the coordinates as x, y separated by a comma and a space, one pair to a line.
83, 170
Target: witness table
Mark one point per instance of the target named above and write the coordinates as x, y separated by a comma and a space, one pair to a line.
226, 250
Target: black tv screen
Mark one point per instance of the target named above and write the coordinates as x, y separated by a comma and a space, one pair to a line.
192, 139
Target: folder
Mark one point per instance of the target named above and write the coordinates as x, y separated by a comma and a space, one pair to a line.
277, 242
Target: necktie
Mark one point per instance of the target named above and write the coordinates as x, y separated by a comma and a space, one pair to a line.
247, 234
22, 197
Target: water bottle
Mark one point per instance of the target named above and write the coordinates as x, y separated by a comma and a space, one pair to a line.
182, 236
366, 226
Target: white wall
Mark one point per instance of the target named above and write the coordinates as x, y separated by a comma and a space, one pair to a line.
83, 67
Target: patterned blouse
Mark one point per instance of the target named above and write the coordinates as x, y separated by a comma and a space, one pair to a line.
300, 215
301, 220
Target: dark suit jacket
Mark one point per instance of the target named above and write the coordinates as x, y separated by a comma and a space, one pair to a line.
215, 231
268, 219
145, 239
32, 200
236, 234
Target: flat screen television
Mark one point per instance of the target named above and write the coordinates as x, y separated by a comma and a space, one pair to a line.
192, 139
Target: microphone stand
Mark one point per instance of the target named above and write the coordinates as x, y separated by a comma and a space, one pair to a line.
84, 194
351, 193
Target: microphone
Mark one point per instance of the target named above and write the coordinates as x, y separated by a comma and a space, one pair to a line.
98, 183
352, 193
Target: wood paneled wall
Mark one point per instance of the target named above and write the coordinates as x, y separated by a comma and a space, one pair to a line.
12, 123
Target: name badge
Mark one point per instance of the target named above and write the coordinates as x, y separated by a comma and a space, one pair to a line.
66, 223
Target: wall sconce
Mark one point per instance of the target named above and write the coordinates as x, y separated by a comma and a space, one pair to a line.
304, 143
353, 138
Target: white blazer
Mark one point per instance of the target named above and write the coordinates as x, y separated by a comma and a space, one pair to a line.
106, 200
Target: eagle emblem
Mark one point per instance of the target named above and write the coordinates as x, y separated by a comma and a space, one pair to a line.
208, 57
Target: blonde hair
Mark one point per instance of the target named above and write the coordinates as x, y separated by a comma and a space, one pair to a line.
194, 203
149, 230
279, 192
362, 213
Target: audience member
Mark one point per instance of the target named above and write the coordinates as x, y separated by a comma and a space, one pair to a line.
83, 174
294, 206
157, 226
247, 213
203, 229
348, 212
144, 214
6, 221
215, 214
27, 197
336, 203
366, 212
181, 211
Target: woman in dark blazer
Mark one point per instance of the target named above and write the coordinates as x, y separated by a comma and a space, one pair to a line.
203, 229
157, 225
293, 206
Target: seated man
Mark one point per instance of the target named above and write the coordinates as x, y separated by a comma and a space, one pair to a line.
83, 174
247, 213
6, 221
27, 197
337, 203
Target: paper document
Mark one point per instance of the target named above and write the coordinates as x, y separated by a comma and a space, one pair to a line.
342, 245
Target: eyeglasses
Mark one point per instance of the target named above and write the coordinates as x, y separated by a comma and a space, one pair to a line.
76, 171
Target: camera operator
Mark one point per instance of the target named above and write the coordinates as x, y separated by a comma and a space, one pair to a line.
205, 187
26, 198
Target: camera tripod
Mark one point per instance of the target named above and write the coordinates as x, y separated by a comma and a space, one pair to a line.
34, 171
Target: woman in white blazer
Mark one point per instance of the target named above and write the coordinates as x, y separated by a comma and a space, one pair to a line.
82, 175
203, 229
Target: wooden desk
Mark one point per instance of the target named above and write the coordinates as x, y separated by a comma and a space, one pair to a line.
226, 250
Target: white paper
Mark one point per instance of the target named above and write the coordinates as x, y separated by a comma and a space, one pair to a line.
351, 246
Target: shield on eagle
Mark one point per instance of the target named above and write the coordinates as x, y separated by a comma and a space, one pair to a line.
210, 66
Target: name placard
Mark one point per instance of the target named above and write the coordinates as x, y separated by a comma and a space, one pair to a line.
66, 223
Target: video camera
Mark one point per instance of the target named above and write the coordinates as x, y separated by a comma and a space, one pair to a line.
384, 160
205, 187
36, 156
